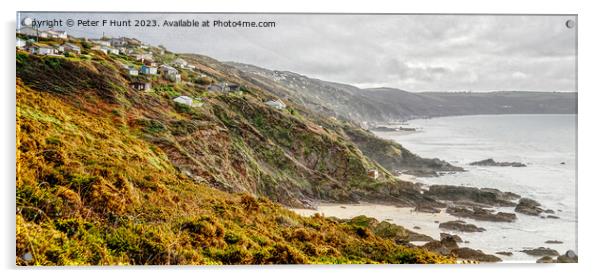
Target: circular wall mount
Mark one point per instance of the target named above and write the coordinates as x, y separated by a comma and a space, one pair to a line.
570, 24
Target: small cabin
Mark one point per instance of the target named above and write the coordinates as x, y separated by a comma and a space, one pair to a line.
224, 87
101, 42
118, 42
141, 86
167, 70
21, 43
215, 88
148, 70
132, 71
143, 57
232, 87
179, 62
278, 104
57, 34
184, 100
373, 173
72, 48
42, 50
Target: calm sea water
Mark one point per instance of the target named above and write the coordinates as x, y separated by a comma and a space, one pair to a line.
546, 143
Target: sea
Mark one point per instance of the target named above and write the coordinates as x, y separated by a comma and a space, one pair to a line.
547, 144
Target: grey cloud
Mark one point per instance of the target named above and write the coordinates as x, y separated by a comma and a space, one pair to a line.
410, 52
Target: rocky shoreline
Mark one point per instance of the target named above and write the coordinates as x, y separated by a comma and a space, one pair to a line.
463, 202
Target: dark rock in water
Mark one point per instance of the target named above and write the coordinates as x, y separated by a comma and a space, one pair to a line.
553, 242
416, 228
481, 214
552, 217
562, 163
459, 225
568, 257
456, 238
546, 260
486, 196
491, 162
471, 254
541, 251
549, 211
528, 206
528, 202
436, 221
505, 253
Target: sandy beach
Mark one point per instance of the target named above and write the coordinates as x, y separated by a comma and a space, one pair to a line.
420, 222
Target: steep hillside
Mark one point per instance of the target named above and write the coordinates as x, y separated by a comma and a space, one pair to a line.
110, 175
388, 104
311, 105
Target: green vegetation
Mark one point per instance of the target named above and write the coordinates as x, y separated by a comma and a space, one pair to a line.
109, 175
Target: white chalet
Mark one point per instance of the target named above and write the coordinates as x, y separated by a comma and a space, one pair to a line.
106, 49
42, 50
132, 71
69, 47
57, 34
180, 63
184, 100
188, 101
21, 43
51, 33
278, 104
167, 70
143, 57
101, 42
29, 31
170, 73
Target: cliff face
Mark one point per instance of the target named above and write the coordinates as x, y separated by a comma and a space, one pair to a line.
395, 157
107, 174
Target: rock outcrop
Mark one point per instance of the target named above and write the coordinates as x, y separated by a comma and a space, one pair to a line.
545, 260
472, 254
529, 207
541, 251
438, 247
491, 162
459, 225
568, 257
481, 214
456, 238
478, 196
385, 229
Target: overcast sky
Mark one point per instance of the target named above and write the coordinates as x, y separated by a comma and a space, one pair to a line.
409, 52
